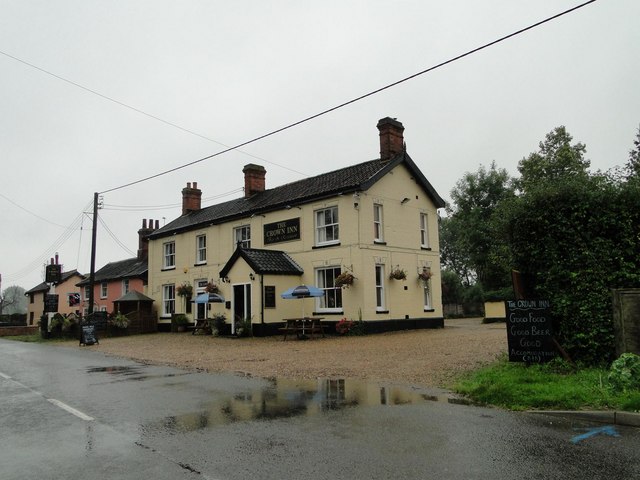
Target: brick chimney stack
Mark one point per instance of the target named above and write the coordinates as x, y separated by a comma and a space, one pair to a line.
391, 138
253, 179
143, 238
191, 198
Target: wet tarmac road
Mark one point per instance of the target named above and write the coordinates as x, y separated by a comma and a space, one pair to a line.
75, 413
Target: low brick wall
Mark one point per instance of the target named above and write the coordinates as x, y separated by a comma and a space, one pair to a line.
9, 331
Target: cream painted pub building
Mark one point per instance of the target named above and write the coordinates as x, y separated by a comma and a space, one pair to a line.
371, 220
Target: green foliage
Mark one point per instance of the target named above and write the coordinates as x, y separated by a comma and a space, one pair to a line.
451, 287
471, 242
632, 168
217, 323
69, 322
556, 159
499, 295
181, 319
119, 321
56, 321
555, 385
244, 328
578, 238
624, 374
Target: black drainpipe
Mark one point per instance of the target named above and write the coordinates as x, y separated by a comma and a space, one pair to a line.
262, 299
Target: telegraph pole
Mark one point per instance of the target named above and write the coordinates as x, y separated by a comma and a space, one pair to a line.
92, 272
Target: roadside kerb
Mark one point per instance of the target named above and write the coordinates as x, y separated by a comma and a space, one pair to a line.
630, 419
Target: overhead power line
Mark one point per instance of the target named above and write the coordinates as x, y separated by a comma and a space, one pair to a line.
354, 100
30, 212
44, 257
137, 110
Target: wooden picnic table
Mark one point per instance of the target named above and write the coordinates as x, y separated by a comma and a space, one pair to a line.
302, 326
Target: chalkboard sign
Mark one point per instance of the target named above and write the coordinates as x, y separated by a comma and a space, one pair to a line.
529, 331
50, 303
269, 296
88, 335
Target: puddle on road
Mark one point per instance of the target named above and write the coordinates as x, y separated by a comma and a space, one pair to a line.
284, 398
134, 373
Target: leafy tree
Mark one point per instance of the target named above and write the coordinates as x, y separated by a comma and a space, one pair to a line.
453, 257
556, 159
633, 165
452, 287
472, 246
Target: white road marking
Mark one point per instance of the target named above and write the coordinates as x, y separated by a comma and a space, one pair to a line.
69, 409
53, 401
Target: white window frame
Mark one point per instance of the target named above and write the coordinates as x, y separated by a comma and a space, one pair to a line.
424, 230
168, 299
378, 235
104, 290
327, 229
427, 295
169, 255
125, 286
332, 299
242, 236
380, 293
103, 308
87, 292
201, 249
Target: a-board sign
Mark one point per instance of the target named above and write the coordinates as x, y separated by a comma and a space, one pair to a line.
50, 303
53, 273
529, 331
88, 335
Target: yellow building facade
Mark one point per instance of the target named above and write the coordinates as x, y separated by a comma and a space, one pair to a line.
375, 220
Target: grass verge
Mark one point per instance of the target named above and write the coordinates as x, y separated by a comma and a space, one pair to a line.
553, 386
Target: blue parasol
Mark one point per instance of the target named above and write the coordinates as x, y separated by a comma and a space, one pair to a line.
209, 298
303, 291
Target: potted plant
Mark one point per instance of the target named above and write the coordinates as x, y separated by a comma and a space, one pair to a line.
344, 279
344, 326
398, 274
181, 321
118, 324
243, 328
185, 290
212, 288
217, 323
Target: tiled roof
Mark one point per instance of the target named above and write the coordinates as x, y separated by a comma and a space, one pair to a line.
43, 287
129, 268
274, 262
358, 177
134, 296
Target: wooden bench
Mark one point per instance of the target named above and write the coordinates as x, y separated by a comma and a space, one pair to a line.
302, 327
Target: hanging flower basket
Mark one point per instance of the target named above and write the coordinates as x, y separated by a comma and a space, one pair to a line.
212, 288
344, 279
425, 275
184, 290
398, 274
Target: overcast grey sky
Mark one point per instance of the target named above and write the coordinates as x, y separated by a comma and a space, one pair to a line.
230, 71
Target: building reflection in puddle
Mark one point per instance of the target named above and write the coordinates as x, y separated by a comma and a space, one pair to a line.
284, 398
